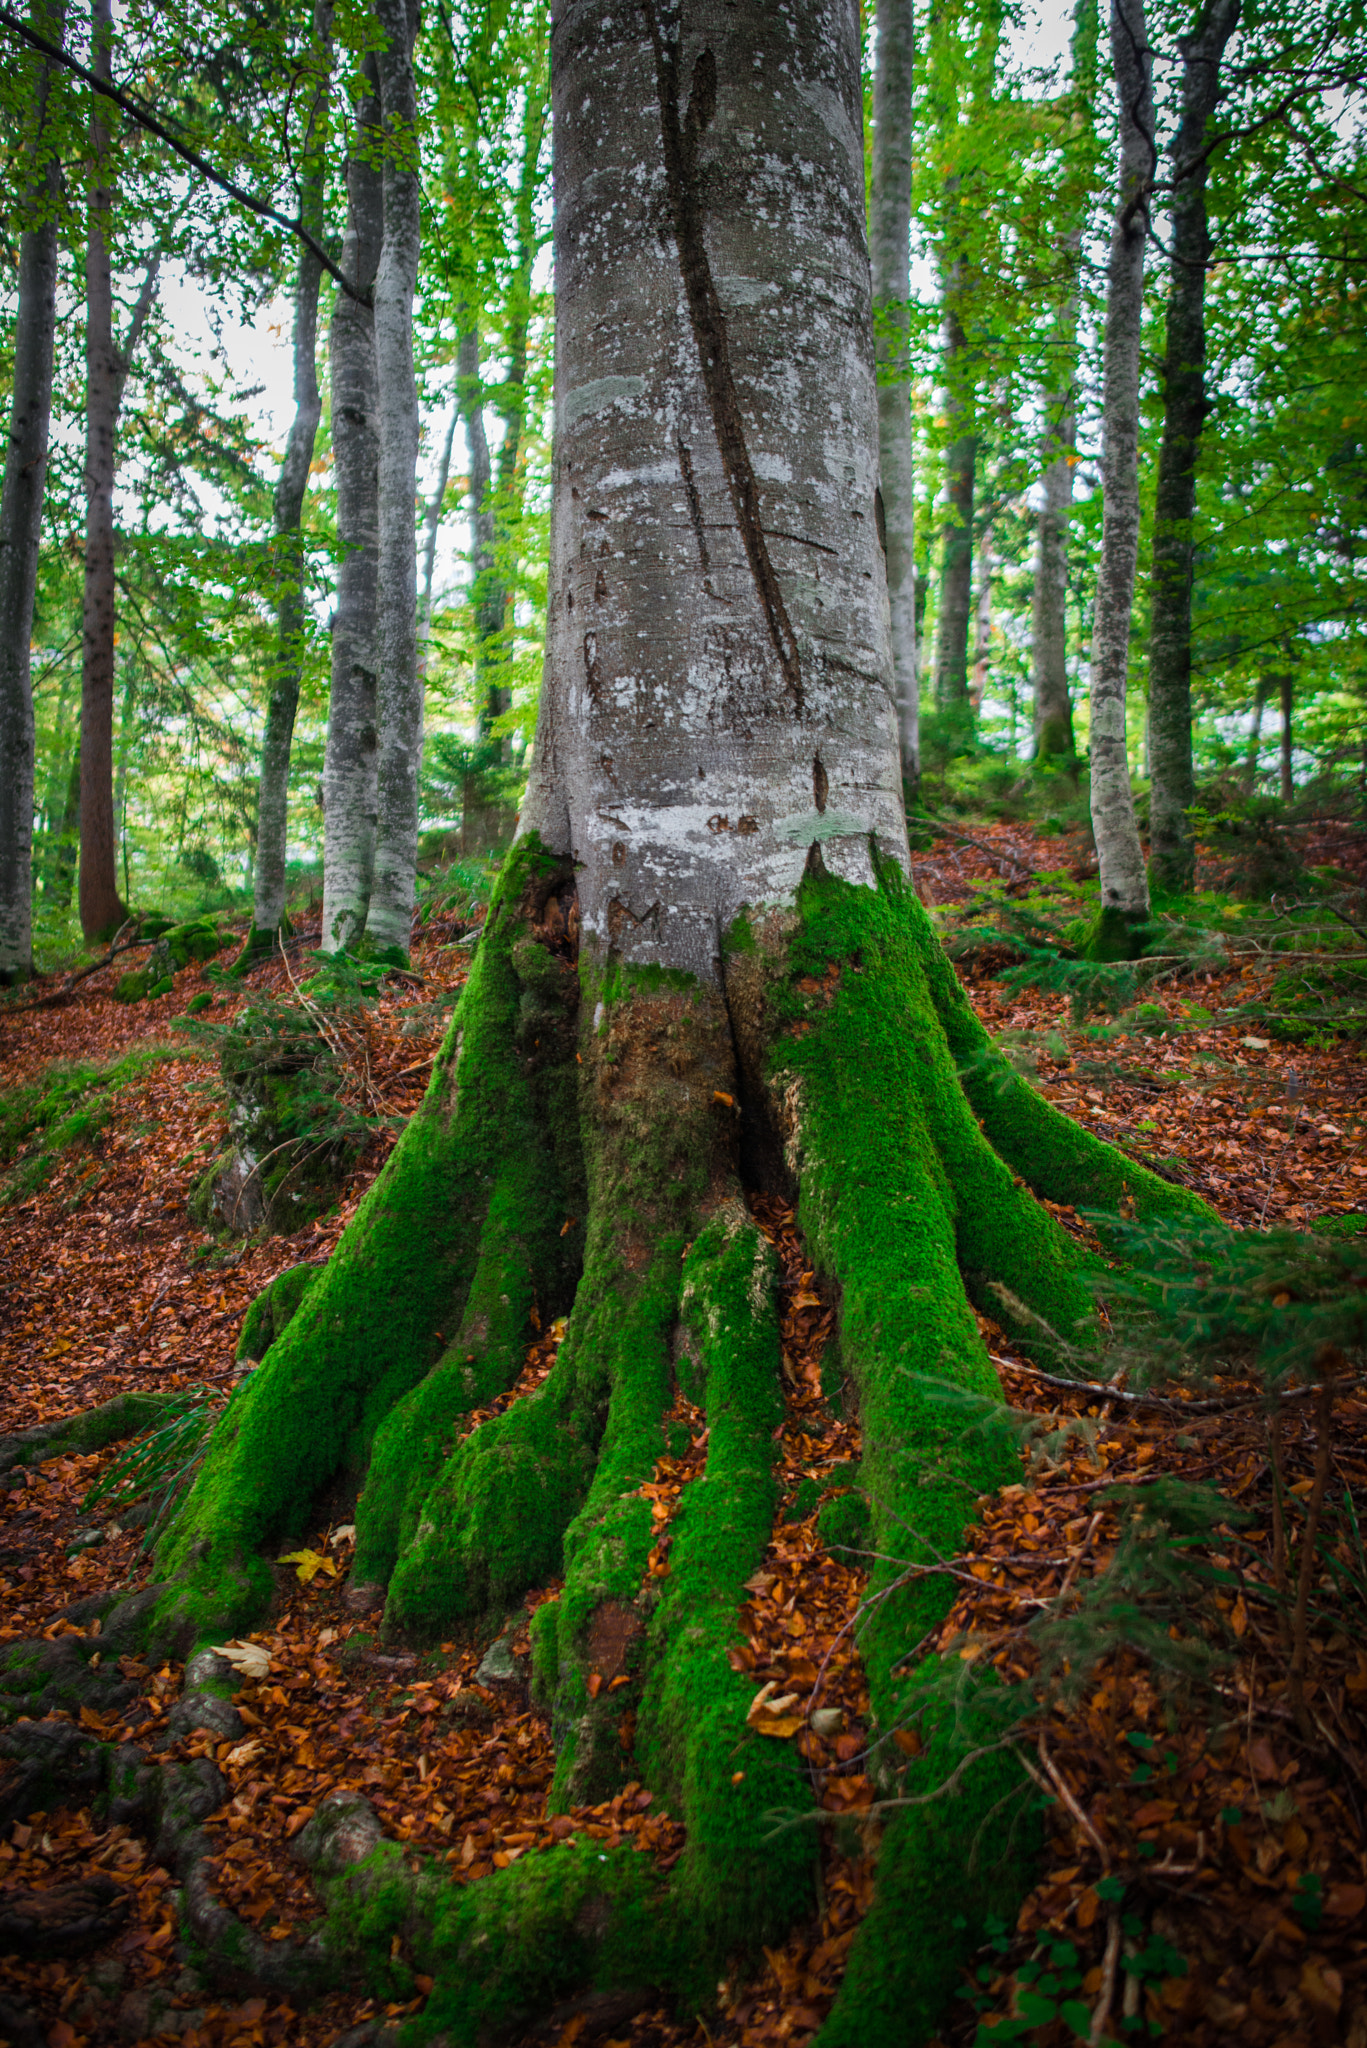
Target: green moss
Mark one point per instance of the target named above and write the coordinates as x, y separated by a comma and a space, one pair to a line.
1055, 1156
739, 1882
1118, 934
367, 1331
845, 1522
545, 1638
273, 1309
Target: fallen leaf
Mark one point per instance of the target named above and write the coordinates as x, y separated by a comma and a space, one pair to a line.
308, 1564
249, 1658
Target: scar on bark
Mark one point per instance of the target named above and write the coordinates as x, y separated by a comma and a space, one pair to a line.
821, 784
681, 139
694, 503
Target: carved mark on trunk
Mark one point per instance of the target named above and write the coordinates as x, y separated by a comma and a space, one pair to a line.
681, 138
821, 784
694, 504
593, 673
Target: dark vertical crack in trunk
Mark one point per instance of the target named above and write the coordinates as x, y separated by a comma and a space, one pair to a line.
681, 139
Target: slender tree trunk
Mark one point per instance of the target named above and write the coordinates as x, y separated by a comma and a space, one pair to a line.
484, 824
51, 808
1053, 704
291, 614
436, 504
956, 566
1053, 712
1286, 685
1124, 885
389, 919
982, 624
68, 845
121, 765
21, 513
1255, 735
1172, 841
349, 764
890, 259
102, 908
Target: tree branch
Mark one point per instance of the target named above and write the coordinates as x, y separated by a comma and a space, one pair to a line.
57, 55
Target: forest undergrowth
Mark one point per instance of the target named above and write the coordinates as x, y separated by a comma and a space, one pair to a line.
1204, 1876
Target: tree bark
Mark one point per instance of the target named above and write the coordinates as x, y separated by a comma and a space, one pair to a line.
1124, 884
399, 691
288, 564
102, 909
1172, 792
956, 566
21, 512
485, 824
715, 814
890, 258
436, 505
1053, 704
1255, 735
1286, 685
349, 762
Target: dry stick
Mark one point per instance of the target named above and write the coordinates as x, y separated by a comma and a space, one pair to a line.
1274, 1448
1223, 1405
1101, 2012
996, 853
1324, 1423
56, 995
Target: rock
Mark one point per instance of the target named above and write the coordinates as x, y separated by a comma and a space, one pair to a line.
342, 1833
18, 2024
207, 1669
362, 1597
204, 1710
501, 1664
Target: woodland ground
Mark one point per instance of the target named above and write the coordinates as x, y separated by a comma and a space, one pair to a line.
1217, 1824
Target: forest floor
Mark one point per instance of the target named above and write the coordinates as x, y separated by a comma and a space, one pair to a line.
1204, 1875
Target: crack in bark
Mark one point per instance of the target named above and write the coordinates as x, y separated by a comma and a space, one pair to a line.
681, 138
694, 503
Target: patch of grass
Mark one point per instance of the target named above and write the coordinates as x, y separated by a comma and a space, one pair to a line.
65, 1107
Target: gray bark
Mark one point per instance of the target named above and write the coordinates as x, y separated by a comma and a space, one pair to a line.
1172, 840
291, 612
717, 708
956, 562
483, 824
1053, 704
432, 523
1124, 884
890, 257
389, 919
21, 515
1049, 626
349, 760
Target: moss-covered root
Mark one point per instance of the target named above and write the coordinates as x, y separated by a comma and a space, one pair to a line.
367, 1330
943, 1868
91, 1429
1053, 1155
498, 1516
739, 1881
273, 1309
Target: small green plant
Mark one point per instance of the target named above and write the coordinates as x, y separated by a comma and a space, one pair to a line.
158, 1466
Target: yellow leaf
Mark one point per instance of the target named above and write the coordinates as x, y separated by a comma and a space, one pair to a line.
308, 1564
782, 1726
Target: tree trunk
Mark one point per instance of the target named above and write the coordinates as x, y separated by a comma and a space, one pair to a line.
21, 510
1124, 885
1255, 735
102, 908
982, 624
485, 823
1286, 688
288, 564
715, 817
890, 255
436, 505
398, 694
956, 565
349, 785
1053, 705
1172, 840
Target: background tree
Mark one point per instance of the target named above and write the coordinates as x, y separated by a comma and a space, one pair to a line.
1124, 885
890, 255
21, 505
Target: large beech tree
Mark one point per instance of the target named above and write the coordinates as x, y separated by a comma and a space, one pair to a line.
704, 969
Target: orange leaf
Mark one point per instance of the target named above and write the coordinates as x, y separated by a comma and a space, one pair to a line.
595, 1684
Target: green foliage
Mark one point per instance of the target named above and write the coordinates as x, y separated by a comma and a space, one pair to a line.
160, 1465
